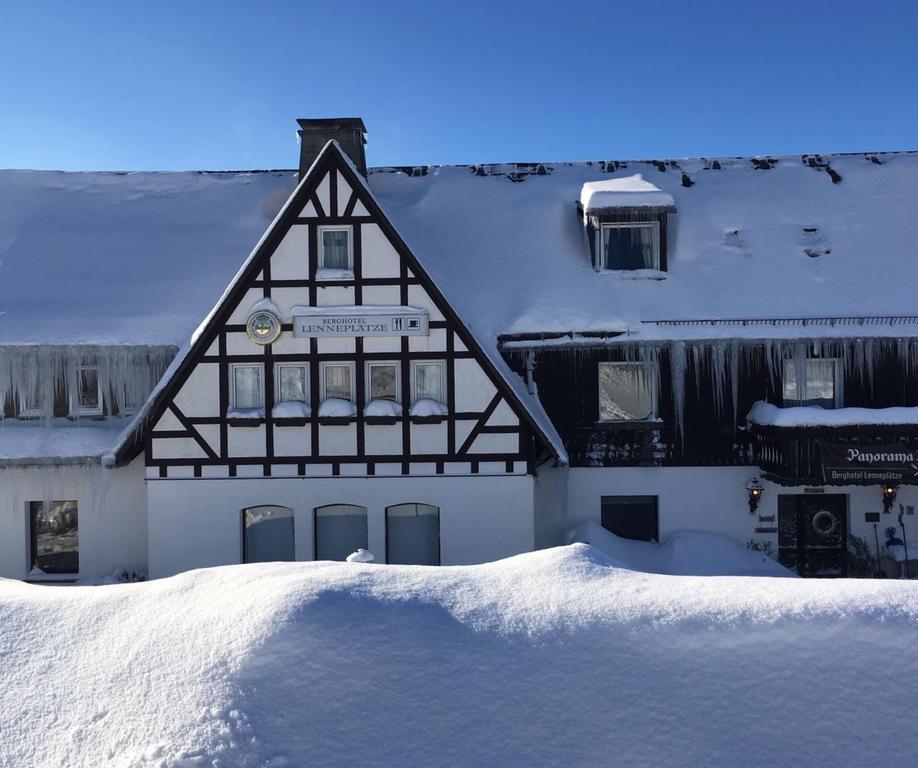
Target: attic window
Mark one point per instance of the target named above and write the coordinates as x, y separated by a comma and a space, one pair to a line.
336, 260
630, 245
625, 219
88, 400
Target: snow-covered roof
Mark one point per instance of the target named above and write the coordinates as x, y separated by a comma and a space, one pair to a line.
141, 257
786, 238
66, 442
124, 258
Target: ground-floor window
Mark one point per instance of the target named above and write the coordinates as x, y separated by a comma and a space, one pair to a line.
413, 534
54, 529
631, 517
340, 529
267, 534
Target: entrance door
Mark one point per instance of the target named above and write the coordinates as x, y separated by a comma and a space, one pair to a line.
813, 534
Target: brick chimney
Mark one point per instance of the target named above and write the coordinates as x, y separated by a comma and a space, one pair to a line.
349, 132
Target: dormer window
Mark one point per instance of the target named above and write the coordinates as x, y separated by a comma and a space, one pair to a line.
630, 245
88, 395
625, 220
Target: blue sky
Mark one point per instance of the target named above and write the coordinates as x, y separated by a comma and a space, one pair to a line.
215, 85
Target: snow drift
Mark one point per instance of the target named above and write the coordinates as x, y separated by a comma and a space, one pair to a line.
685, 553
550, 658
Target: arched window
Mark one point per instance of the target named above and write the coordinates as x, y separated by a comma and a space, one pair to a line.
340, 529
267, 534
413, 534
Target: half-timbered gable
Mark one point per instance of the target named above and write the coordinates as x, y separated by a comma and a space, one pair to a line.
371, 374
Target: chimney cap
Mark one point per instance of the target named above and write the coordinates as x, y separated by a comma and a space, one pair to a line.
325, 123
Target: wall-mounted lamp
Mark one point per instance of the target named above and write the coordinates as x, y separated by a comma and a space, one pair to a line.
889, 496
755, 489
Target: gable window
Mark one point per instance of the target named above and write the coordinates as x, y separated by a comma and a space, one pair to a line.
54, 536
427, 381
815, 382
248, 393
336, 256
337, 384
338, 381
383, 391
267, 534
625, 392
382, 381
290, 380
88, 392
290, 398
630, 245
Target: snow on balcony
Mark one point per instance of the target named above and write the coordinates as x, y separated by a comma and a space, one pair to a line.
768, 415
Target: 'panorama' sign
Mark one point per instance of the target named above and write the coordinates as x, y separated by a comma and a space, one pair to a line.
869, 464
364, 320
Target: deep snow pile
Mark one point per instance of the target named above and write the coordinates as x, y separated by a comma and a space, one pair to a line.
685, 553
550, 658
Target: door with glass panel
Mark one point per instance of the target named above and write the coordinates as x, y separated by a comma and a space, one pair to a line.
413, 534
267, 534
340, 529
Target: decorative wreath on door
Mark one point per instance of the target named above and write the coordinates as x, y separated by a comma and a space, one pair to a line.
824, 522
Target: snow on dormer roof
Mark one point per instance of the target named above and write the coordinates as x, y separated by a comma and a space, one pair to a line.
628, 192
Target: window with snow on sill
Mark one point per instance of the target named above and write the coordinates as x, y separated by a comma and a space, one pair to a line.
383, 408
426, 408
291, 409
337, 408
245, 413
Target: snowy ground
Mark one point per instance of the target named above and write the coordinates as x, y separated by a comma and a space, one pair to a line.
551, 658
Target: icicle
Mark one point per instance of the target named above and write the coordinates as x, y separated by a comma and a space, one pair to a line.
32, 376
734, 379
677, 377
719, 375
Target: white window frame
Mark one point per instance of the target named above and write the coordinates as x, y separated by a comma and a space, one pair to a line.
233, 368
324, 366
839, 388
277, 382
414, 379
654, 405
398, 378
320, 244
600, 250
75, 408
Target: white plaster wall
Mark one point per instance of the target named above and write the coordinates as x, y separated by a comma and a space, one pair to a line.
380, 259
690, 498
715, 499
197, 523
290, 260
549, 503
111, 508
243, 308
197, 396
474, 390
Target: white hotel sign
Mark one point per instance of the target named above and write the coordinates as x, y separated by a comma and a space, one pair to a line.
360, 321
